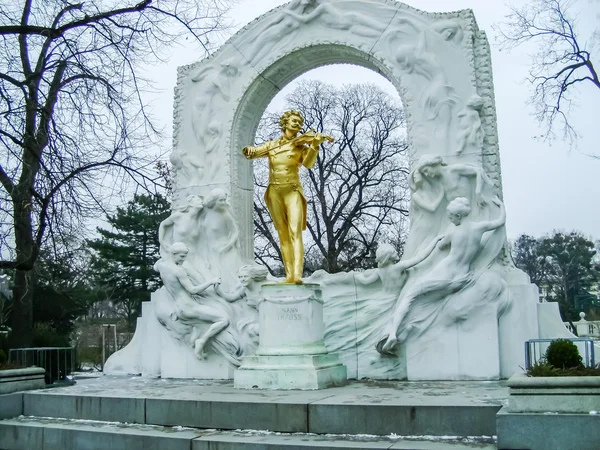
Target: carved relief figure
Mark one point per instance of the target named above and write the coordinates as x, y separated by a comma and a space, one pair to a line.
178, 284
470, 131
279, 31
452, 273
437, 97
433, 184
284, 196
188, 167
216, 82
450, 30
251, 278
183, 225
221, 240
334, 17
392, 273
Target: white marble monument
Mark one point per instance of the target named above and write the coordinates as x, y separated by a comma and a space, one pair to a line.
453, 308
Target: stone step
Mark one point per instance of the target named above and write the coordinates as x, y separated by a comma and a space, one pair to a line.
28, 433
281, 412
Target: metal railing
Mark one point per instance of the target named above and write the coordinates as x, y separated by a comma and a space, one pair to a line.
536, 348
58, 362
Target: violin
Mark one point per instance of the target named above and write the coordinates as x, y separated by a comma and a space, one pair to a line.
311, 136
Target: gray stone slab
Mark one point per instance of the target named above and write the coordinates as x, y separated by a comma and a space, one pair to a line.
35, 434
539, 431
436, 445
11, 405
259, 440
228, 415
435, 408
16, 380
13, 436
90, 407
403, 420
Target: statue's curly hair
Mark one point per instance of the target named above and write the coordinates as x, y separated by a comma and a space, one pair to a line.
286, 115
460, 205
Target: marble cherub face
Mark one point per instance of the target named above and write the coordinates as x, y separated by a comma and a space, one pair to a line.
430, 171
245, 278
179, 257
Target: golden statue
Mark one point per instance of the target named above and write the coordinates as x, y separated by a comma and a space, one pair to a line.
284, 197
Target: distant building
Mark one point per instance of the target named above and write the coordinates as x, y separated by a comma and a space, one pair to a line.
585, 328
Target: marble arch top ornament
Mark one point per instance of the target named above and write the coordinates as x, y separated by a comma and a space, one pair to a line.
467, 325
438, 62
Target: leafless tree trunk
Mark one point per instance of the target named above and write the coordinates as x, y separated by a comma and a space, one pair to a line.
561, 62
73, 126
357, 192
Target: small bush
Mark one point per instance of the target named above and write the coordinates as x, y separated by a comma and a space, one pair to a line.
2, 357
563, 354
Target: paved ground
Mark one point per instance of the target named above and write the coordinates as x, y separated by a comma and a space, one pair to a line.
434, 393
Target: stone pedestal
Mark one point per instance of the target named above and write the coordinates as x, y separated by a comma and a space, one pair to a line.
291, 352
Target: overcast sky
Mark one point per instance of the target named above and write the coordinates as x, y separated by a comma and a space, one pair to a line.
547, 186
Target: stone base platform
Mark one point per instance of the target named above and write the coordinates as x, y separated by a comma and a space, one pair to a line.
142, 413
303, 372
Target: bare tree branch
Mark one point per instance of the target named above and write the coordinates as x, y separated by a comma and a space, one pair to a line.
560, 64
357, 191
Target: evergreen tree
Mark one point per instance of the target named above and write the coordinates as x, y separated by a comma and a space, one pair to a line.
63, 290
525, 252
563, 264
572, 271
124, 256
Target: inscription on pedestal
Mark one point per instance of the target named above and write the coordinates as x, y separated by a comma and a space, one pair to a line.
289, 313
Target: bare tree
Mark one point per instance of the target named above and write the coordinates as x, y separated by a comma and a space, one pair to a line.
357, 191
562, 59
73, 124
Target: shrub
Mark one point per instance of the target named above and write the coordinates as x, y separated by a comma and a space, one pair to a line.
3, 342
2, 357
45, 335
542, 369
563, 354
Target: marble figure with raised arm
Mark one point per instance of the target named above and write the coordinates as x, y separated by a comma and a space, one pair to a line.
464, 239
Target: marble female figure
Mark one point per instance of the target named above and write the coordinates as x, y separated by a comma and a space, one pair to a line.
465, 239
433, 184
470, 134
221, 237
178, 284
183, 225
390, 271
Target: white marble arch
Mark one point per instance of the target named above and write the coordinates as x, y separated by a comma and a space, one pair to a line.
437, 61
440, 64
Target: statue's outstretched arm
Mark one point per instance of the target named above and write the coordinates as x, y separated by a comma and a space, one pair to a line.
230, 296
259, 151
419, 257
470, 171
489, 225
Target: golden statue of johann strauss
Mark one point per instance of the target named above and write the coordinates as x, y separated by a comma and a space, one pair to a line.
284, 197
